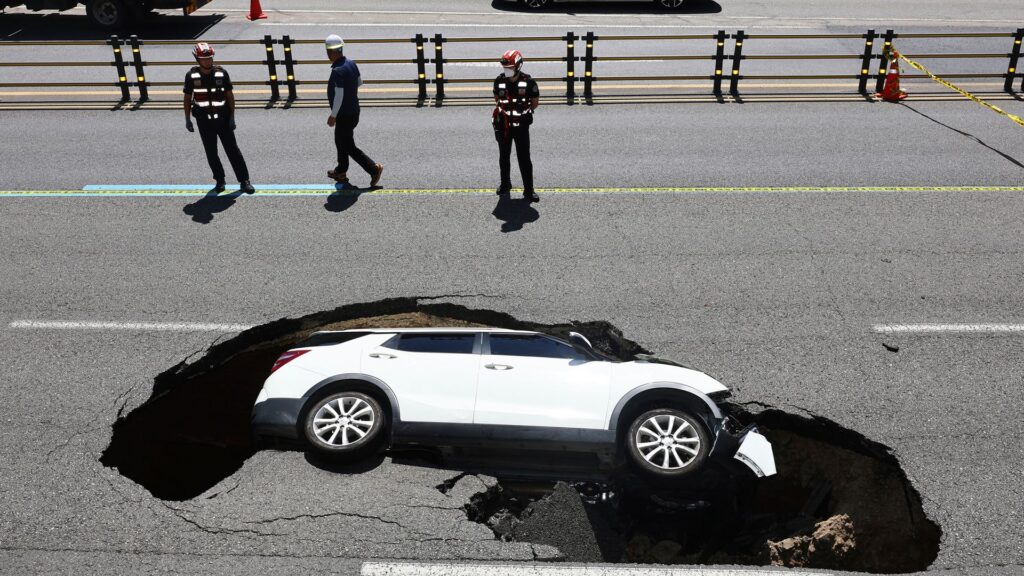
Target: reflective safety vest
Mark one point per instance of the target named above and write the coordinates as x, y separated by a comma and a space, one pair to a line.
514, 98
209, 92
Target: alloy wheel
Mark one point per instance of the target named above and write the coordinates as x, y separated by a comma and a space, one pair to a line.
343, 421
667, 442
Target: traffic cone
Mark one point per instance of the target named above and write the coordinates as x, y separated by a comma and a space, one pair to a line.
891, 89
255, 10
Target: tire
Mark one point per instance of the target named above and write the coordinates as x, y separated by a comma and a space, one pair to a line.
341, 437
670, 4
668, 443
535, 4
107, 14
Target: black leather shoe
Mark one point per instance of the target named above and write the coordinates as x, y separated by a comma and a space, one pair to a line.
531, 196
246, 187
504, 190
218, 187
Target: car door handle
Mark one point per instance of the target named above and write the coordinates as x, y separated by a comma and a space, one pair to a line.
381, 355
497, 367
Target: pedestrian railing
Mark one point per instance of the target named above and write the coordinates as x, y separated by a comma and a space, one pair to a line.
719, 62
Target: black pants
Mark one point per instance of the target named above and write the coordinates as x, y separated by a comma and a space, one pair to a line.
521, 136
345, 140
209, 130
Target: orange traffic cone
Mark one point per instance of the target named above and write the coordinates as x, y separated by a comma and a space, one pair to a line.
891, 90
255, 11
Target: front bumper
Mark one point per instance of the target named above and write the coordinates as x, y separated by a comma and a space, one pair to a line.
746, 446
276, 417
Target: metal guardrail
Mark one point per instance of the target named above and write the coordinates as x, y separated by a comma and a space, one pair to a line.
131, 70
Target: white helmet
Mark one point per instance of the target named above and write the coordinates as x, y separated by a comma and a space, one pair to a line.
334, 42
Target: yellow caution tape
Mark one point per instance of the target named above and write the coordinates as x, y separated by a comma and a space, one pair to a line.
965, 93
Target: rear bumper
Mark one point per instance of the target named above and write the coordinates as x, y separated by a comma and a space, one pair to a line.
276, 417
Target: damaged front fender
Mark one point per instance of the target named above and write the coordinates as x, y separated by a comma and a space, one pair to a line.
755, 452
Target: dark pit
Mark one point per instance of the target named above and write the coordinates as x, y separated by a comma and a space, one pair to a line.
839, 500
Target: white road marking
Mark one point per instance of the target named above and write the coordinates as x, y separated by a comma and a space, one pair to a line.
137, 326
951, 328
442, 569
560, 26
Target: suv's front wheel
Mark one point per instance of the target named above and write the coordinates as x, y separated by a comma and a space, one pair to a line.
668, 443
344, 423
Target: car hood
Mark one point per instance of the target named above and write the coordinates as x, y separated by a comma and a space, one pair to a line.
644, 372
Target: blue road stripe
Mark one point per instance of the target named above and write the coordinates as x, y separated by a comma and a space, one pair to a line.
203, 187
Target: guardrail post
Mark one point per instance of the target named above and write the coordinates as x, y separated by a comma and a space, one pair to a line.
1011, 71
421, 66
737, 57
271, 68
122, 75
289, 66
719, 61
865, 62
439, 67
588, 66
570, 67
883, 67
139, 73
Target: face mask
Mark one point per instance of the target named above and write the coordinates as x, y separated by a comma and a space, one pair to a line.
510, 72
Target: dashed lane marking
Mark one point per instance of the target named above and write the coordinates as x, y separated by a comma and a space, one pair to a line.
949, 328
264, 190
132, 326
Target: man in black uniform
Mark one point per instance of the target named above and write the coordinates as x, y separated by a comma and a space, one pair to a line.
517, 96
209, 98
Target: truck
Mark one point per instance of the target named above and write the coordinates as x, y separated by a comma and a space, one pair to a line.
109, 14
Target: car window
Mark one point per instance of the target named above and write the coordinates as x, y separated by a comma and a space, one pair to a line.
531, 345
438, 343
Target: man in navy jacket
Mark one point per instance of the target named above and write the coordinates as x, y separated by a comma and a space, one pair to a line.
343, 96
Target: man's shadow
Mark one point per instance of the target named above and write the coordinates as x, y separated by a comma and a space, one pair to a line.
202, 210
344, 197
514, 213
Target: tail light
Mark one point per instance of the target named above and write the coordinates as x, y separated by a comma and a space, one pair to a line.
286, 358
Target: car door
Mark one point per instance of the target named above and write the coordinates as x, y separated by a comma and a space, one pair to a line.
433, 374
535, 380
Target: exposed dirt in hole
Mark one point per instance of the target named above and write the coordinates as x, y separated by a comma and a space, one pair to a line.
839, 501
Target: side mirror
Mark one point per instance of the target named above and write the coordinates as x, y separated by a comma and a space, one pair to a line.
580, 341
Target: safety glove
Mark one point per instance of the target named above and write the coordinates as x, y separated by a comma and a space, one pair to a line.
189, 126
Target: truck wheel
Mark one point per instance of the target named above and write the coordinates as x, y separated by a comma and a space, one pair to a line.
107, 14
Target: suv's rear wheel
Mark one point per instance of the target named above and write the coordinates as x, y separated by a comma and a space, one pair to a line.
344, 423
668, 443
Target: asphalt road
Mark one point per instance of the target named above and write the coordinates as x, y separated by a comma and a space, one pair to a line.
775, 294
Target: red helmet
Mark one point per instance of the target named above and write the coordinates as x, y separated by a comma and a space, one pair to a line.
512, 59
202, 50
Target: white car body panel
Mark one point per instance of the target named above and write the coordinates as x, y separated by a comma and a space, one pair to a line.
431, 387
756, 452
550, 392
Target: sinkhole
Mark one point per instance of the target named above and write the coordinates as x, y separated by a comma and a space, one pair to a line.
839, 500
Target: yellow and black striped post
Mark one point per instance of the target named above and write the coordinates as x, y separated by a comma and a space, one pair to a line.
737, 57
439, 68
140, 73
122, 74
719, 62
865, 63
421, 66
289, 67
1011, 71
271, 63
570, 67
883, 66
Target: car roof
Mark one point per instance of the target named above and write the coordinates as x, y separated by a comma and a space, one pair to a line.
429, 330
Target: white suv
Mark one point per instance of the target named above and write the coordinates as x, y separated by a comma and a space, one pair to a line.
348, 392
